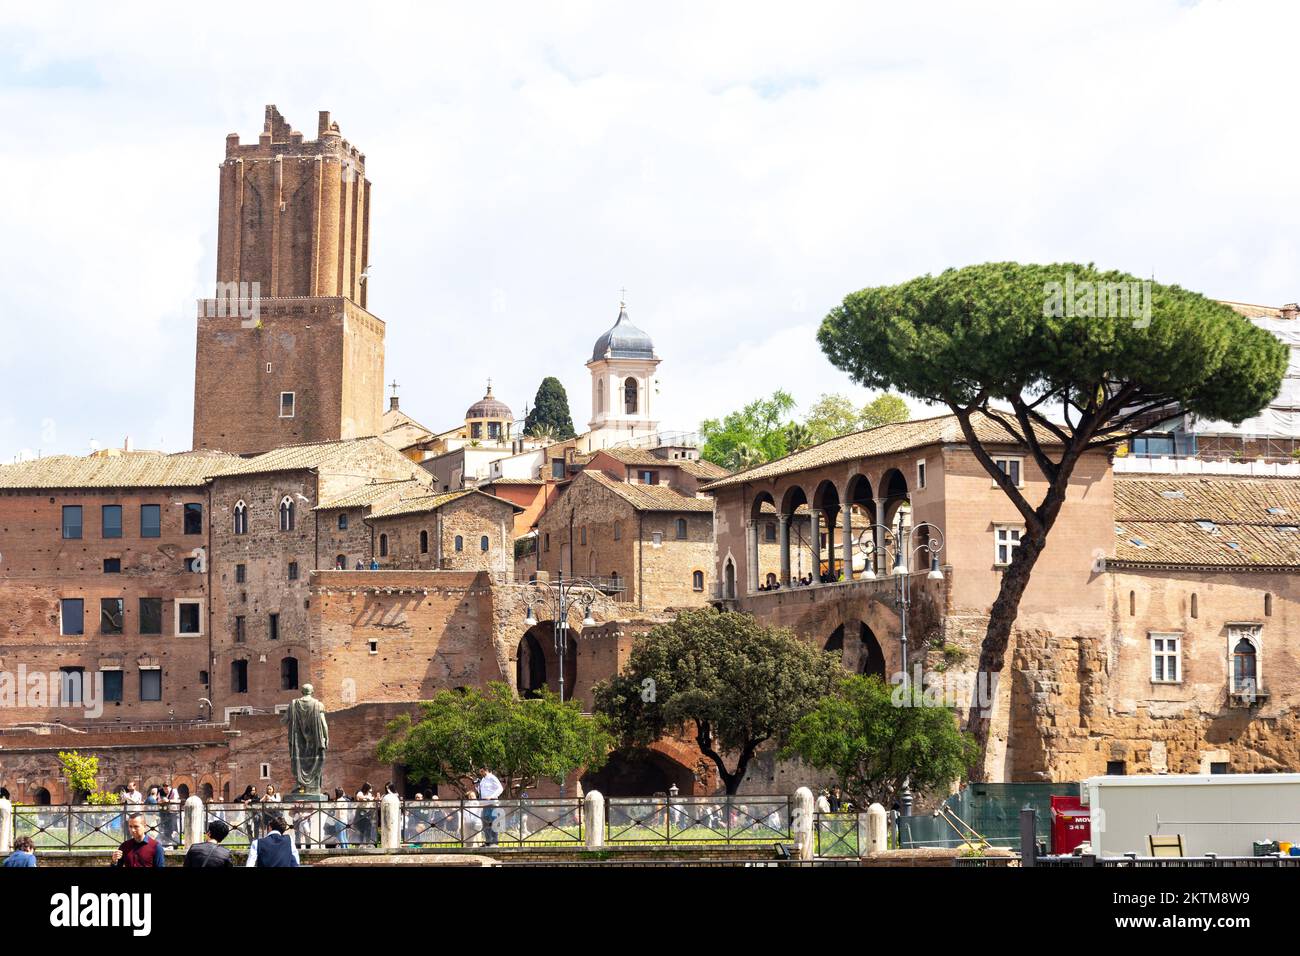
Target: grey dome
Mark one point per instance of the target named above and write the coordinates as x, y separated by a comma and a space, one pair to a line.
490, 407
624, 340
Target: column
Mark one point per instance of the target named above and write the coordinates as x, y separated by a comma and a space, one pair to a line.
815, 543
753, 576
880, 558
832, 519
783, 526
848, 542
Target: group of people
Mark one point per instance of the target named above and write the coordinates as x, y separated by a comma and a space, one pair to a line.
165, 798
832, 801
772, 584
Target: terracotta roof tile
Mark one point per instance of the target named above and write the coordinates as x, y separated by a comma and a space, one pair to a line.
650, 497
117, 469
365, 495
417, 504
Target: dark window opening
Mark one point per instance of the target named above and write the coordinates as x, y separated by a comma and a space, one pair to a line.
1115, 768
111, 521
424, 542
151, 615
460, 544
110, 615
289, 673
72, 521
293, 570
151, 521
383, 545
112, 565
189, 618
71, 682
240, 629
113, 687
151, 684
483, 543
194, 519
239, 677
274, 623
343, 522
240, 572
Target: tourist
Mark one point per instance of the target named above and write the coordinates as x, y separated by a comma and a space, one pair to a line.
210, 853
274, 849
24, 853
365, 818
342, 822
823, 802
489, 788
169, 829
139, 850
836, 800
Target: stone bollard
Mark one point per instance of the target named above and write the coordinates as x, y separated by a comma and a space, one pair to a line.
877, 831
193, 821
593, 819
6, 826
391, 821
802, 824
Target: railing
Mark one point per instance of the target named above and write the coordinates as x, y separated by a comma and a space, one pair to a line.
540, 822
1154, 862
613, 588
836, 834
89, 827
697, 820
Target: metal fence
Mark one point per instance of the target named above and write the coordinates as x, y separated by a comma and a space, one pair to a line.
89, 827
836, 834
700, 820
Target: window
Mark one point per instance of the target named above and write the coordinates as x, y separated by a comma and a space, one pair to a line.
241, 572
1132, 603
483, 544
557, 469
383, 545
112, 687
194, 518
1116, 768
681, 529
657, 538
1268, 605
112, 565
600, 395
151, 615
1194, 608
72, 615
1007, 538
239, 677
769, 532
111, 521
286, 404
372, 646
71, 681
241, 518
546, 542
494, 429
192, 564
1219, 766
289, 673
630, 396
648, 477
110, 615
72, 521
286, 513
293, 570
476, 430
150, 683
1244, 643
1165, 658
920, 473
341, 562
424, 542
583, 535
697, 580
460, 544
151, 521
343, 521
241, 629
618, 531
1010, 467
203, 678
273, 624
188, 620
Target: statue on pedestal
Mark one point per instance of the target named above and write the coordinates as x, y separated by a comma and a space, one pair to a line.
309, 738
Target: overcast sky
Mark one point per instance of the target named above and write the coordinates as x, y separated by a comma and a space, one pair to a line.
737, 167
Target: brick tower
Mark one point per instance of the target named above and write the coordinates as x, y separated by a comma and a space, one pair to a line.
287, 352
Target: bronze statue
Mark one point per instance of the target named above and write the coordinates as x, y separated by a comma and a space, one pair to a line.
309, 738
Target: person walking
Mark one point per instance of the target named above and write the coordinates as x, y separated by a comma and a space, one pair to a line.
342, 820
24, 853
274, 849
210, 853
365, 815
140, 850
489, 788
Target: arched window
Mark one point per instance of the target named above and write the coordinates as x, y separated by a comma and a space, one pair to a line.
241, 518
1194, 608
424, 542
289, 673
1243, 666
600, 395
483, 543
697, 580
618, 531
1268, 605
383, 545
460, 543
1132, 603
630, 396
341, 562
286, 513
681, 529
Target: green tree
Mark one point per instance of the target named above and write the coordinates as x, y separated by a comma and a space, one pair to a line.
760, 426
550, 412
1078, 375
834, 415
874, 738
885, 410
722, 677
519, 740
81, 771
798, 437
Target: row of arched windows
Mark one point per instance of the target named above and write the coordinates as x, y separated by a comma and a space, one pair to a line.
631, 396
484, 544
288, 514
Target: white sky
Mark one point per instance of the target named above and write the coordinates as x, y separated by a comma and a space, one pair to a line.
738, 167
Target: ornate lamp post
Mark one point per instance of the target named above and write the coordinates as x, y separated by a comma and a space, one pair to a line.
903, 550
560, 598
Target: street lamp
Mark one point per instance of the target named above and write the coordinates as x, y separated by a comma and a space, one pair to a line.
560, 598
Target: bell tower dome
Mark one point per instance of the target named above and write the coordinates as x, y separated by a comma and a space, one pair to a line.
622, 368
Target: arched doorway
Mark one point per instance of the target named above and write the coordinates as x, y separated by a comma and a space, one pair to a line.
866, 658
825, 522
796, 560
638, 772
530, 666
538, 663
41, 797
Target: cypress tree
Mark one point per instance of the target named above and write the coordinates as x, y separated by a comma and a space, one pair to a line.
550, 412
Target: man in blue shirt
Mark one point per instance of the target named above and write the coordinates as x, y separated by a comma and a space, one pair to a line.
24, 853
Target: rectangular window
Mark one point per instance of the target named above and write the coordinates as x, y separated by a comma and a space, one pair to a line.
920, 473
274, 625
239, 574
649, 477
239, 629
657, 538
1007, 538
293, 570
1011, 468
110, 615
1115, 768
188, 618
112, 687
72, 616
476, 430
557, 469
151, 615
71, 681
150, 683
194, 519
112, 565
111, 521
769, 532
286, 404
681, 529
1165, 658
343, 521
151, 521
584, 535
72, 521
239, 677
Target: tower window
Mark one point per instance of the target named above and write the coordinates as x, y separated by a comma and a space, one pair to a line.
239, 677
286, 404
697, 580
630, 396
681, 529
286, 513
343, 521
241, 518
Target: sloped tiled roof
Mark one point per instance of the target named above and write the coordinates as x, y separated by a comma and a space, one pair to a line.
635, 456
1207, 521
300, 457
119, 469
1253, 311
416, 504
881, 440
364, 495
650, 497
701, 469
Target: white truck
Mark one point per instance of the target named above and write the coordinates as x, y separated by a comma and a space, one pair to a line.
1224, 814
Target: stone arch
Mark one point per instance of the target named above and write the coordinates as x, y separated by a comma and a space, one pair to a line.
849, 616
540, 639
756, 512
892, 496
640, 772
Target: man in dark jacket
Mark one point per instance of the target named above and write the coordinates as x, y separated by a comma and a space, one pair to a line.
140, 849
210, 852
274, 849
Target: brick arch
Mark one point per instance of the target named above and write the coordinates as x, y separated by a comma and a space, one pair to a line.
822, 620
